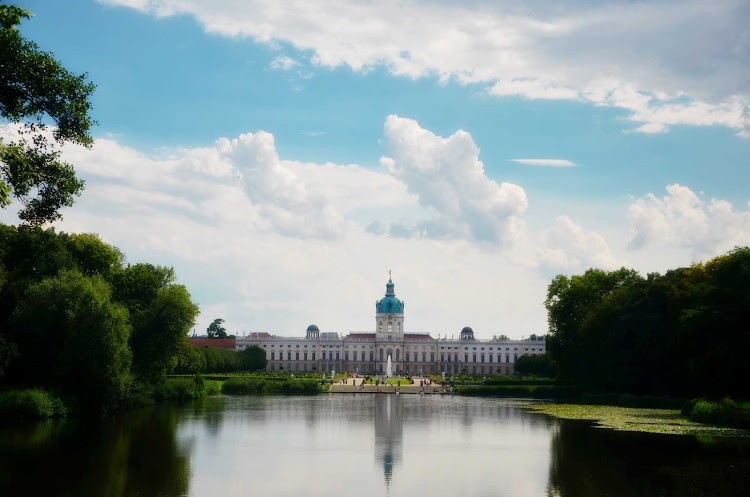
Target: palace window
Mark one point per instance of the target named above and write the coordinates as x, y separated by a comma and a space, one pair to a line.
442, 357
305, 356
466, 357
398, 356
407, 359
474, 358
390, 327
337, 356
273, 356
288, 355
313, 357
424, 357
507, 358
482, 359
432, 357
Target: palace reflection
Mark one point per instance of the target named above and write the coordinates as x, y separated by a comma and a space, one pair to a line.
389, 425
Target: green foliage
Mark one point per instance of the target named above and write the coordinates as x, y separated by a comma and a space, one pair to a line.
34, 89
680, 334
259, 386
75, 338
723, 413
665, 421
521, 391
73, 319
162, 313
253, 358
216, 330
30, 404
539, 365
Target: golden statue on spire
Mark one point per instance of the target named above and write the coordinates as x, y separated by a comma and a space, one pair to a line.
389, 275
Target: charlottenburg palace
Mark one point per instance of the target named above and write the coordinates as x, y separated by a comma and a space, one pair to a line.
411, 353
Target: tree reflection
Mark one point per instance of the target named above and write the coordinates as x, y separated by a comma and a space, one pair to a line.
587, 461
136, 453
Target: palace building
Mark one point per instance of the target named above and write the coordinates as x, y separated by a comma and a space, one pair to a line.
411, 353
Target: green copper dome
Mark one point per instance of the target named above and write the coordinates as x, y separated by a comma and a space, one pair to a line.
389, 304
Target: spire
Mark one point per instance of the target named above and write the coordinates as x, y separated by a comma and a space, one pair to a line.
389, 287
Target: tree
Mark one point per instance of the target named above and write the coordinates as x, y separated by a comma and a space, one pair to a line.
36, 89
161, 314
253, 358
501, 338
216, 330
72, 337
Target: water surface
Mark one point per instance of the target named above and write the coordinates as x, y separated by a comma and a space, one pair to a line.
359, 445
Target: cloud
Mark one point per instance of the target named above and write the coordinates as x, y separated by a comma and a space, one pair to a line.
681, 218
448, 178
545, 162
568, 247
283, 63
664, 62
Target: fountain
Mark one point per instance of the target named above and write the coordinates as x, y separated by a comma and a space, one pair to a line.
389, 368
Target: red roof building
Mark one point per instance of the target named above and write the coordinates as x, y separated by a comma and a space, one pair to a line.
219, 343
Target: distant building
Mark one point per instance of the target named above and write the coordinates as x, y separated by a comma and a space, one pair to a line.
218, 343
411, 353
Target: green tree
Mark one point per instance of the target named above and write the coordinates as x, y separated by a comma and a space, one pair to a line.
161, 313
36, 89
73, 337
216, 330
253, 358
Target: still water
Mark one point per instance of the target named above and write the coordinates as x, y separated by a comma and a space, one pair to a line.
359, 445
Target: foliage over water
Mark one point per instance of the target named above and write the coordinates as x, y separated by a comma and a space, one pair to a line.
665, 421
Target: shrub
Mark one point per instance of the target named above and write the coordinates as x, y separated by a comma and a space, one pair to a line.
722, 413
253, 386
31, 404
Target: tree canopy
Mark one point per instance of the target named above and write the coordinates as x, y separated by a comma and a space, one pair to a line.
683, 333
216, 330
49, 106
68, 306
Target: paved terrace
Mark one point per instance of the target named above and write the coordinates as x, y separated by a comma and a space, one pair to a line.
356, 385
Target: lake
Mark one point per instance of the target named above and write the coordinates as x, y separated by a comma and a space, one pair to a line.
360, 445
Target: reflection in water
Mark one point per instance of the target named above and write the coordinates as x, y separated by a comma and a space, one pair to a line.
133, 454
589, 462
388, 433
322, 446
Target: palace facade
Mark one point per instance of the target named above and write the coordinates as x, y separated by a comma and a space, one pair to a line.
411, 353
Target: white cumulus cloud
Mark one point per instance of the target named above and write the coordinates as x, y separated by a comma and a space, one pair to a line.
568, 247
681, 218
665, 62
448, 178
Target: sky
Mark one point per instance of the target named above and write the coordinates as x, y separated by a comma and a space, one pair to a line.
283, 156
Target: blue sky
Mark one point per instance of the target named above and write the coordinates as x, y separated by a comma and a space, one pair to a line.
593, 85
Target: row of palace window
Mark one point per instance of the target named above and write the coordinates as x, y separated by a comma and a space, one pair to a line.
398, 357
450, 368
481, 358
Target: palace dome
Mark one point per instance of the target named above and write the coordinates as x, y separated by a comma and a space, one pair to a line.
467, 330
312, 327
389, 304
